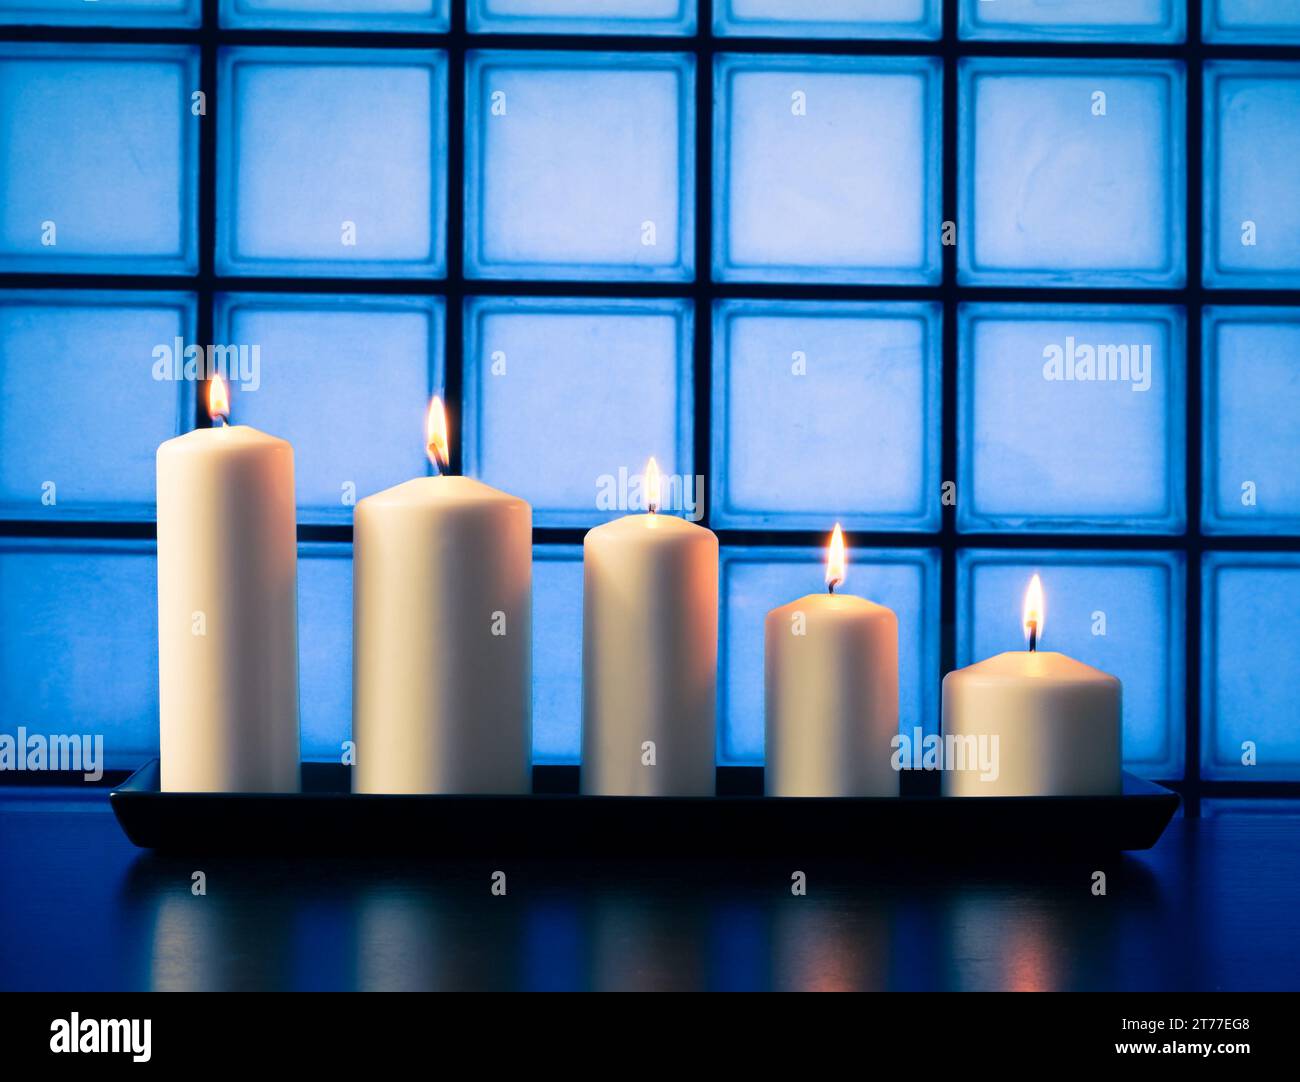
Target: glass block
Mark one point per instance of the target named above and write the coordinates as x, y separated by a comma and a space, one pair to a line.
363, 131
427, 16
188, 13
1074, 20
1102, 452
566, 399
826, 411
799, 191
831, 19
581, 16
89, 393
1071, 172
325, 649
557, 653
1267, 22
1122, 612
1251, 388
1252, 175
345, 379
1250, 654
756, 580
1249, 807
79, 646
580, 165
98, 158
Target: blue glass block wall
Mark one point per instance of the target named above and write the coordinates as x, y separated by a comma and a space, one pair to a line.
141, 13
413, 15
332, 162
566, 399
1074, 20
1228, 808
1251, 639
1003, 287
847, 395
1071, 419
1251, 403
581, 16
325, 648
557, 654
1256, 22
798, 191
1070, 168
579, 165
98, 158
79, 653
828, 18
345, 378
89, 391
1252, 171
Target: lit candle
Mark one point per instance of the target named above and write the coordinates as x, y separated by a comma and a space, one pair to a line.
1049, 723
442, 634
831, 692
227, 609
649, 654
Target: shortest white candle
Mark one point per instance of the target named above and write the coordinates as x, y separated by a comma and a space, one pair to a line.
831, 693
1048, 725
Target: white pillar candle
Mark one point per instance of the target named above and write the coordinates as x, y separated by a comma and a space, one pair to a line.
442, 635
227, 609
649, 655
831, 692
1055, 722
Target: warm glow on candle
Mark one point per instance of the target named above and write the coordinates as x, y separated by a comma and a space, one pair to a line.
218, 400
1034, 612
652, 486
435, 436
836, 560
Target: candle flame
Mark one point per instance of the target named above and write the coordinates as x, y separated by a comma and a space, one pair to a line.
836, 559
435, 436
218, 399
1034, 610
653, 483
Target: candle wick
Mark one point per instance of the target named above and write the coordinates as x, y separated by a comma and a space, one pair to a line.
830, 585
1033, 636
441, 464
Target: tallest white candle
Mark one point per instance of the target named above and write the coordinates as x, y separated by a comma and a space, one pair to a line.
227, 609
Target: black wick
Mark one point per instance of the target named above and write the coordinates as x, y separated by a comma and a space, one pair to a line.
443, 464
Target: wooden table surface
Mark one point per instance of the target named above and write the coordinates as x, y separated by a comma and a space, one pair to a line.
1215, 905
